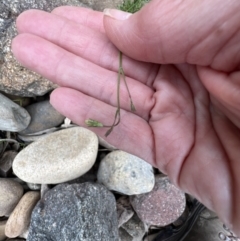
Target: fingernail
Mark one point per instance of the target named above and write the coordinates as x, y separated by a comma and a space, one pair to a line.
116, 14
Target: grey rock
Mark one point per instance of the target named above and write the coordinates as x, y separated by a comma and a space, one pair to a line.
162, 206
13, 117
34, 186
43, 116
15, 79
101, 5
124, 210
75, 212
19, 219
124, 235
135, 228
58, 157
126, 173
10, 194
2, 230
6, 163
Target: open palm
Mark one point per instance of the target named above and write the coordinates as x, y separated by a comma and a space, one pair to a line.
187, 119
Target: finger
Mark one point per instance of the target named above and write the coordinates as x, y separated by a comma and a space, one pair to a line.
177, 32
66, 69
79, 107
225, 88
82, 41
84, 16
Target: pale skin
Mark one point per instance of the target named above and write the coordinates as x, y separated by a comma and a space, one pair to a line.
183, 73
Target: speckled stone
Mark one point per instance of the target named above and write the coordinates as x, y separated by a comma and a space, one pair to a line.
125, 173
78, 212
43, 116
19, 219
13, 117
162, 206
58, 157
10, 194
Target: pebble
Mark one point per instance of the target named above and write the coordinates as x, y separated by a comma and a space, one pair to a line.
124, 210
19, 219
135, 228
58, 157
34, 186
2, 230
85, 211
10, 194
13, 117
162, 206
43, 116
126, 173
6, 163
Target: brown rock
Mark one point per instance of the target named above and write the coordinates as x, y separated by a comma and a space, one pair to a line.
19, 219
10, 194
162, 206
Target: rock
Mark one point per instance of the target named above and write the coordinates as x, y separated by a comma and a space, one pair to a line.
34, 186
10, 194
135, 228
2, 230
125, 173
13, 117
58, 157
101, 5
123, 235
19, 219
6, 163
43, 116
124, 210
15, 79
84, 211
162, 206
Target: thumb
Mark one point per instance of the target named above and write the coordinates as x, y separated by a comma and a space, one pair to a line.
145, 35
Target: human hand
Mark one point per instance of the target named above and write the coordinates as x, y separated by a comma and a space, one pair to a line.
187, 121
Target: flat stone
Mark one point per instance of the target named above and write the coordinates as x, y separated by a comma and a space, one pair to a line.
10, 194
19, 219
162, 206
2, 230
58, 157
124, 210
6, 163
126, 173
135, 228
85, 211
13, 117
43, 116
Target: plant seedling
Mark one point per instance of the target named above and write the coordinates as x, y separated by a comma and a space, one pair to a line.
131, 6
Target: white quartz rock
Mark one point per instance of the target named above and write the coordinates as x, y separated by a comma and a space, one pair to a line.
58, 157
13, 117
126, 173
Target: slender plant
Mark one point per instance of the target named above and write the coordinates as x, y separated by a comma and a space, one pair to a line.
130, 6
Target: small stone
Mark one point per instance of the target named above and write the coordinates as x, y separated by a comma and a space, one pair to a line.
85, 211
19, 219
2, 230
162, 206
6, 163
58, 157
126, 173
34, 186
124, 235
43, 116
124, 210
135, 228
13, 117
10, 194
